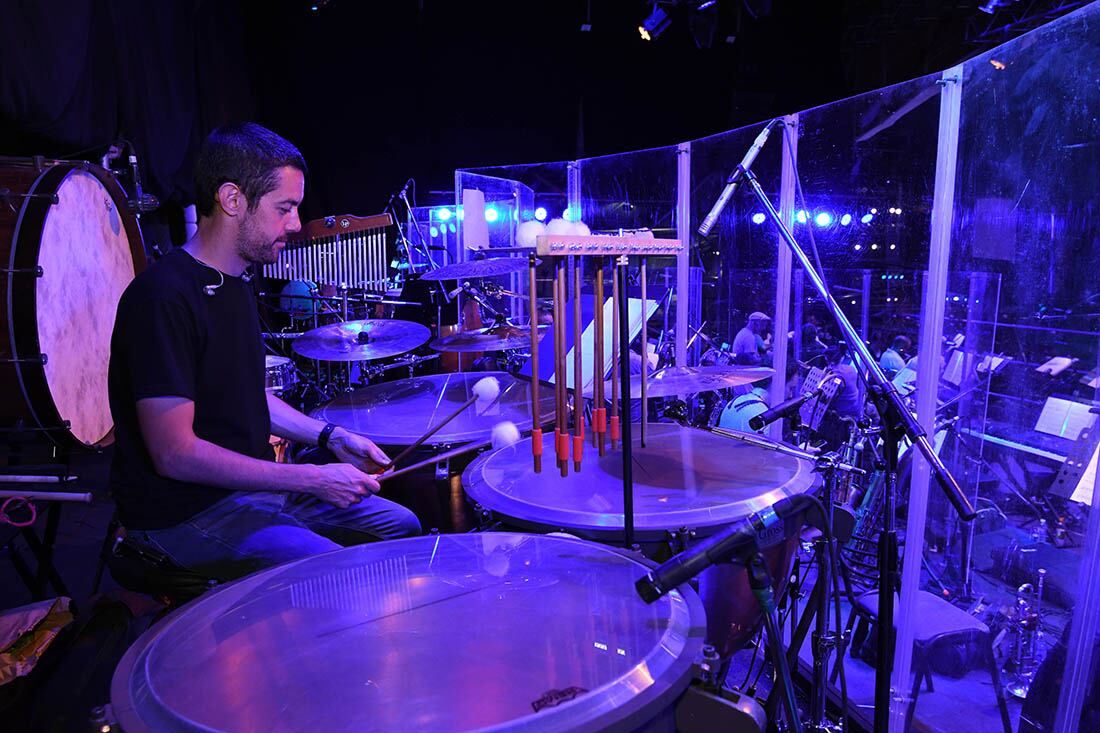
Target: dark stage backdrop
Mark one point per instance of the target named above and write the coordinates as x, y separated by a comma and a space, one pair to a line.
378, 92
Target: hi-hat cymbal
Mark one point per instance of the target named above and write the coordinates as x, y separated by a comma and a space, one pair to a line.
680, 381
361, 340
477, 268
494, 338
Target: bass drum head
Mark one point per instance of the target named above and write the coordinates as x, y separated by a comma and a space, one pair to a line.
85, 255
490, 631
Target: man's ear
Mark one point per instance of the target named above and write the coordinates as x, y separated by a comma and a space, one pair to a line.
231, 199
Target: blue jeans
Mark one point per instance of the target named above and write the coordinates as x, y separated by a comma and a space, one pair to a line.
252, 530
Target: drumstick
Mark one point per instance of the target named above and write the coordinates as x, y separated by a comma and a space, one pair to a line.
645, 351
486, 390
578, 398
503, 434
563, 408
599, 413
614, 358
536, 431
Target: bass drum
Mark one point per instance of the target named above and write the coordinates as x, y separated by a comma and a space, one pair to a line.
70, 247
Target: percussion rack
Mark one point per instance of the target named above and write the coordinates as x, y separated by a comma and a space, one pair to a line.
600, 247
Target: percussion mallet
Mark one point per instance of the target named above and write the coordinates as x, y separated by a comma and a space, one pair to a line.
536, 421
559, 372
486, 393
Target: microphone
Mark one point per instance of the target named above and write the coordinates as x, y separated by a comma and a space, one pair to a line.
681, 568
735, 178
784, 409
141, 203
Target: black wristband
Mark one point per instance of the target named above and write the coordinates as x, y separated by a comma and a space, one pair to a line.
326, 431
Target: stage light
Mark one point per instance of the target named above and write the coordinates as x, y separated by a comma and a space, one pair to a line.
656, 24
866, 218
540, 213
893, 246
874, 246
758, 217
443, 214
845, 220
567, 215
858, 247
491, 214
823, 219
434, 231
800, 216
451, 228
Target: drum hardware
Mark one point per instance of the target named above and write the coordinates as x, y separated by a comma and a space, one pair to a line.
499, 337
477, 269
41, 359
898, 422
1026, 621
6, 195
37, 271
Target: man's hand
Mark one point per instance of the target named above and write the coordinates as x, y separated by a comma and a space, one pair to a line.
341, 485
360, 452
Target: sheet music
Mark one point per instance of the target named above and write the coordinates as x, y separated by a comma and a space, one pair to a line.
1064, 418
1056, 365
1084, 490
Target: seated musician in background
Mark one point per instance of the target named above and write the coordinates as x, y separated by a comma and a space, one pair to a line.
194, 475
892, 360
847, 403
752, 344
813, 351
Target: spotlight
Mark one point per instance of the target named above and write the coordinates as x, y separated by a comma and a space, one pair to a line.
800, 216
845, 220
758, 217
866, 218
443, 214
434, 231
491, 214
656, 24
823, 219
540, 213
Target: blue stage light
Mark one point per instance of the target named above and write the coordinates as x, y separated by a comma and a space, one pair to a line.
443, 214
434, 231
823, 219
866, 218
758, 217
845, 220
540, 213
800, 216
491, 214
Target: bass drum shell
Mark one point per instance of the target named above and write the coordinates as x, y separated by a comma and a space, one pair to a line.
88, 248
684, 479
491, 631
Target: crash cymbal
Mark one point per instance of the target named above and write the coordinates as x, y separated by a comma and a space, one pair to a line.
679, 381
477, 268
361, 340
494, 338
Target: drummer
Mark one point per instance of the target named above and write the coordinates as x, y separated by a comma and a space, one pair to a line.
193, 472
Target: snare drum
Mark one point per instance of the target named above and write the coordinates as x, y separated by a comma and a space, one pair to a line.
280, 374
684, 479
485, 631
70, 246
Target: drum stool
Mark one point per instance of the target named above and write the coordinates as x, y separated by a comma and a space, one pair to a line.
937, 622
142, 570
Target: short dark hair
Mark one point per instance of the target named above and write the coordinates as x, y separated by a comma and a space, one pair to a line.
246, 154
901, 343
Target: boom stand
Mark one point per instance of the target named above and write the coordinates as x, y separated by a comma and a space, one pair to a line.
898, 421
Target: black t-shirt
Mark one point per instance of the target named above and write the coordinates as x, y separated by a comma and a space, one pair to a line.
171, 339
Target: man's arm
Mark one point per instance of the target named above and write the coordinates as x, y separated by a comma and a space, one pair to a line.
349, 447
167, 425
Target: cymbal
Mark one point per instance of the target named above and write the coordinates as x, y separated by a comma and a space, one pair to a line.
494, 338
679, 381
477, 268
361, 340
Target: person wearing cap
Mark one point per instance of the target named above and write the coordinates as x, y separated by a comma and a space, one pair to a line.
750, 346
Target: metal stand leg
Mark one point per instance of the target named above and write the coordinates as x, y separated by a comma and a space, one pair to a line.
761, 583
